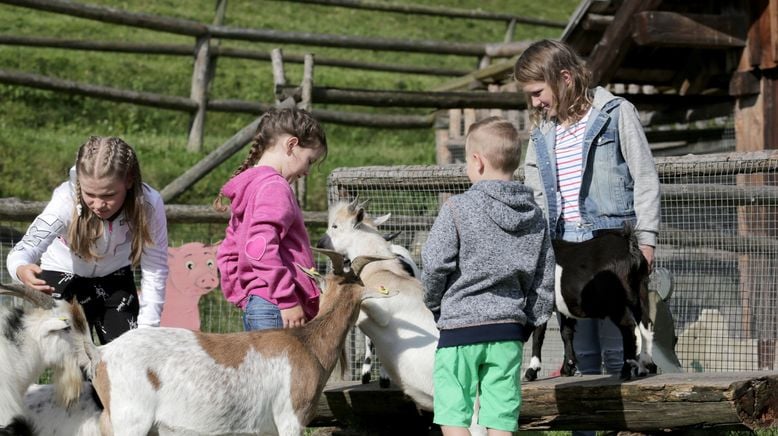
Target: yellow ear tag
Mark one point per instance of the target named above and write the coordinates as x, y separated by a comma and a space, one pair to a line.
382, 289
312, 271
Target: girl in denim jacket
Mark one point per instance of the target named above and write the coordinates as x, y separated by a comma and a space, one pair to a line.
591, 168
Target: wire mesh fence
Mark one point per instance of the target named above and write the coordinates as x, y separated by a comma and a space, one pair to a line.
717, 238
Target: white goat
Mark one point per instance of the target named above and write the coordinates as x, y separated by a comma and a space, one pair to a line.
50, 418
404, 256
262, 382
402, 327
53, 334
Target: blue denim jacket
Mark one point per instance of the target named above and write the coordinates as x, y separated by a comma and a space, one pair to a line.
619, 185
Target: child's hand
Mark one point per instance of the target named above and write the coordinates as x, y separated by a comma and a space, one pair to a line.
293, 317
28, 274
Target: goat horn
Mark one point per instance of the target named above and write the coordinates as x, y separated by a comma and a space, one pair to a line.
37, 298
352, 207
336, 258
362, 204
360, 261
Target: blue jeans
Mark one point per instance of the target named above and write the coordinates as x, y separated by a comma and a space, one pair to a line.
261, 314
596, 341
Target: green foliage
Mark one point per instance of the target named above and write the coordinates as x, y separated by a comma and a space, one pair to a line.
40, 130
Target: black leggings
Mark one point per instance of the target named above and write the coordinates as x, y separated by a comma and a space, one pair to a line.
110, 302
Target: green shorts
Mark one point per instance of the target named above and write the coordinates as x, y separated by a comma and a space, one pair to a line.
496, 367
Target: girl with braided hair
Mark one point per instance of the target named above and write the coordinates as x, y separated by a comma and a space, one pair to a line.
98, 226
266, 234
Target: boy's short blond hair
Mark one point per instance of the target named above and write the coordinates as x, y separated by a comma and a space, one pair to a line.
497, 140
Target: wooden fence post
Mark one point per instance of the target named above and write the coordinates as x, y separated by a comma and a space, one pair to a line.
202, 75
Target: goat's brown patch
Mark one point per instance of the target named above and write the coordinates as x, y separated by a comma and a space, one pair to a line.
153, 379
79, 319
230, 350
102, 384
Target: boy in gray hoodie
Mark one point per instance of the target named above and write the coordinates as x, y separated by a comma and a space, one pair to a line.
488, 273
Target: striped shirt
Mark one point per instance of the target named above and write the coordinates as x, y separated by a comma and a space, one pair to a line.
569, 167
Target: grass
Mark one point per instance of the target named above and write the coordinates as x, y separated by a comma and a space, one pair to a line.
41, 130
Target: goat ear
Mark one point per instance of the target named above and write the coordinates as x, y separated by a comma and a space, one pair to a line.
54, 324
360, 216
377, 221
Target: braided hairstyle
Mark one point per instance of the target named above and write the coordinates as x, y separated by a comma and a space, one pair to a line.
108, 157
544, 61
274, 123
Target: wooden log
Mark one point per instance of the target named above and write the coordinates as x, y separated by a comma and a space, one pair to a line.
353, 42
188, 27
279, 76
13, 209
438, 100
115, 16
666, 402
435, 11
199, 93
229, 52
104, 92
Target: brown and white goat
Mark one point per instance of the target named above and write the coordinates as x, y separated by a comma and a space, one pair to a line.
52, 334
604, 277
263, 382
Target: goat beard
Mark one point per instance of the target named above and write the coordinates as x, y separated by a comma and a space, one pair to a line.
67, 382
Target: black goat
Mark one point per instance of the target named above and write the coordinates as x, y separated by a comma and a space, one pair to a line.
604, 277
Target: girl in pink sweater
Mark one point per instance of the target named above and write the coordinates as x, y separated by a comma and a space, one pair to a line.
266, 235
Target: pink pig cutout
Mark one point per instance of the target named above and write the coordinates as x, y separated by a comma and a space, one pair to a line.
192, 274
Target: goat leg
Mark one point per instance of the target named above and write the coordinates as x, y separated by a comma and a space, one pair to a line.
538, 337
567, 329
629, 342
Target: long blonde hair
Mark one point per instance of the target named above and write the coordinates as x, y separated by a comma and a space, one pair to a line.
275, 122
108, 157
544, 61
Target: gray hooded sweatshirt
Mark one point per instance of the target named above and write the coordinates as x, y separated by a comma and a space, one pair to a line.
488, 261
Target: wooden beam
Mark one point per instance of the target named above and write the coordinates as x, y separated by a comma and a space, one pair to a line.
671, 29
219, 51
104, 92
606, 56
439, 100
495, 71
13, 209
745, 400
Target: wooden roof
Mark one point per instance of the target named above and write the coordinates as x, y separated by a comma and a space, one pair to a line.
690, 52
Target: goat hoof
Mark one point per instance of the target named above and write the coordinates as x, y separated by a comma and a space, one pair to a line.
568, 369
383, 382
652, 369
626, 372
531, 374
365, 378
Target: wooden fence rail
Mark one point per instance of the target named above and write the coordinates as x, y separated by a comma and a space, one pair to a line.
192, 28
434, 11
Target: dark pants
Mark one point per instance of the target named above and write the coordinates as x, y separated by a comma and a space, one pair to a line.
110, 302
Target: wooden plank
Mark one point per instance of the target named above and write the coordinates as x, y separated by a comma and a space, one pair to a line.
656, 403
671, 29
606, 56
199, 93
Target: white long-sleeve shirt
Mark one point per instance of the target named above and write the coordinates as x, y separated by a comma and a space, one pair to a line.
46, 241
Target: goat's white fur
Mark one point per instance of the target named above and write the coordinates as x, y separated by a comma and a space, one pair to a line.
42, 338
50, 418
263, 382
